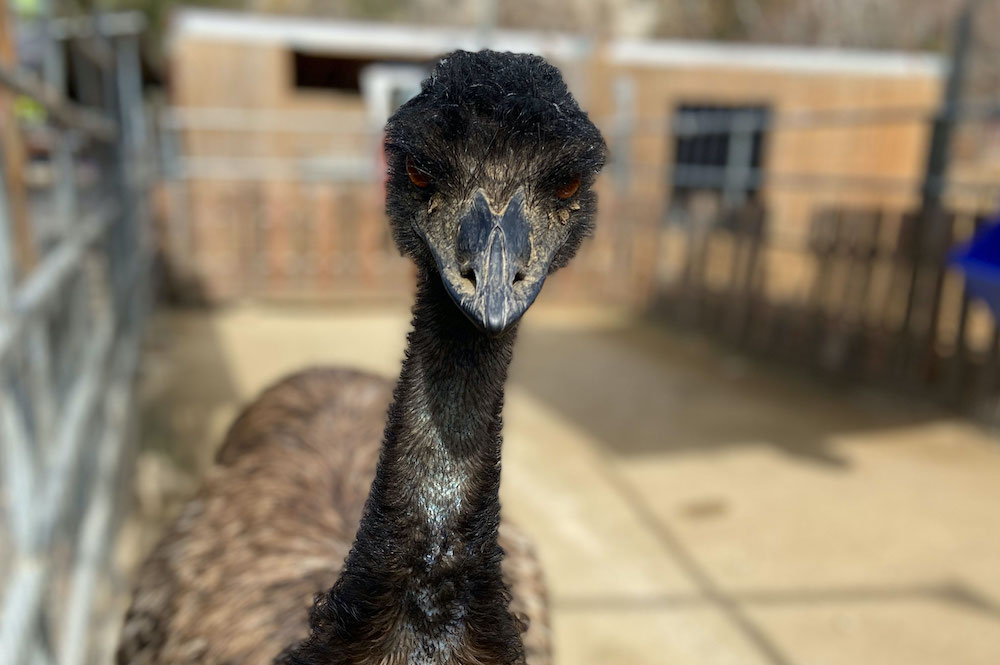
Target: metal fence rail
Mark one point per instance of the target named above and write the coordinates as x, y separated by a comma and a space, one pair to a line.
70, 322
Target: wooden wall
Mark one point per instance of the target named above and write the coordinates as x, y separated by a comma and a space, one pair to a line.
618, 265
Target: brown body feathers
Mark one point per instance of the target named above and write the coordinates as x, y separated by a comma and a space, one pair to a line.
232, 581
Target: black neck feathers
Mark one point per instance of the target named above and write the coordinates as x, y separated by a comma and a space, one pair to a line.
422, 583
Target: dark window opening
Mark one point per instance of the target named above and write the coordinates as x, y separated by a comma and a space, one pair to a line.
718, 155
329, 72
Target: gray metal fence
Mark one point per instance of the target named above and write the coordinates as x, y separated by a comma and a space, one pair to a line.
74, 281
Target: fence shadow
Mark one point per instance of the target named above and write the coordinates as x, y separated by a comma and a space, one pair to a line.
640, 389
182, 421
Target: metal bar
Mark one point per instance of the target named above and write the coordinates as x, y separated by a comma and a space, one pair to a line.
96, 51
623, 130
22, 602
736, 173
118, 24
18, 468
714, 176
63, 111
40, 383
939, 152
129, 78
40, 379
65, 181
697, 125
225, 119
43, 284
93, 541
104, 319
57, 479
285, 121
276, 168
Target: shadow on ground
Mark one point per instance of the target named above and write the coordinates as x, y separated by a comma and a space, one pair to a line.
639, 390
642, 390
185, 395
186, 402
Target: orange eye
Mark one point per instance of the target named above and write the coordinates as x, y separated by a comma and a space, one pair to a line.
417, 177
569, 188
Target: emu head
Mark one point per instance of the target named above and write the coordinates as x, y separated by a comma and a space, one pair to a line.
491, 169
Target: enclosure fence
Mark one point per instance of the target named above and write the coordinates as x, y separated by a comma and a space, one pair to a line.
821, 235
74, 278
838, 258
289, 204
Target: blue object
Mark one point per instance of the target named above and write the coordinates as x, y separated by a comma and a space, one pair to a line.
980, 261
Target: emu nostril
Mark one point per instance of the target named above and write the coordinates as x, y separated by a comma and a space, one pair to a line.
518, 277
470, 275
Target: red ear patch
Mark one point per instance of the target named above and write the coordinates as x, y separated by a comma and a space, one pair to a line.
417, 177
569, 188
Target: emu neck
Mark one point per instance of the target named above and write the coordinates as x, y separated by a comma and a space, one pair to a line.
422, 582
442, 442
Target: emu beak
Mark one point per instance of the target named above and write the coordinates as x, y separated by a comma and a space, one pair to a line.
494, 285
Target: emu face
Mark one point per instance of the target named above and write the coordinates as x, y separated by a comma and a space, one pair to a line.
491, 169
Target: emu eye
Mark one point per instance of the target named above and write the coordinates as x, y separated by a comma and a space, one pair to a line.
568, 188
417, 177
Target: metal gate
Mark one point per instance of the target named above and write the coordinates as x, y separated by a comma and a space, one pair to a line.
74, 274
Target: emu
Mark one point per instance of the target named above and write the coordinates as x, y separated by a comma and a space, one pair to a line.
490, 189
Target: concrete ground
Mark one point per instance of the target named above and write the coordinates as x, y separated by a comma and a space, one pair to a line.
691, 507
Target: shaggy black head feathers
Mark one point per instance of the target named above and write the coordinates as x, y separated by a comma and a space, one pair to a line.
507, 115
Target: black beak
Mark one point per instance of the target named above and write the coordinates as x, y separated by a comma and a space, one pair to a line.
493, 287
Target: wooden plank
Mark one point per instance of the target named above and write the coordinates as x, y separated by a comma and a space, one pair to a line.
371, 226
246, 201
324, 233
277, 235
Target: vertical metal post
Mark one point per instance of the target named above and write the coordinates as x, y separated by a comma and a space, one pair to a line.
180, 212
623, 130
627, 216
39, 348
65, 147
930, 219
487, 22
739, 156
939, 152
